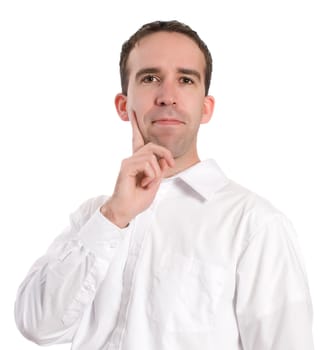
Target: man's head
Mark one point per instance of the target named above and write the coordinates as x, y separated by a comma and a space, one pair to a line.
162, 26
166, 76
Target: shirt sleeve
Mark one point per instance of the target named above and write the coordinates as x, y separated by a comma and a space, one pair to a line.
273, 303
63, 283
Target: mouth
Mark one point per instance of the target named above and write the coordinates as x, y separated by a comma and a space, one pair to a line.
167, 122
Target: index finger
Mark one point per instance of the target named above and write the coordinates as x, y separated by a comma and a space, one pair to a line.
137, 140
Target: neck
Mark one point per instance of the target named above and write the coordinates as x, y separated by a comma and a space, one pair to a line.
181, 164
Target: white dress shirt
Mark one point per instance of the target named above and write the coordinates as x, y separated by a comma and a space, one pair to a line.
209, 265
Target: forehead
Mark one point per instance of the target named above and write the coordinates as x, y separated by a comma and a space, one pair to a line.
166, 50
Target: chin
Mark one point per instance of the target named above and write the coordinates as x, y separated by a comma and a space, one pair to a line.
178, 149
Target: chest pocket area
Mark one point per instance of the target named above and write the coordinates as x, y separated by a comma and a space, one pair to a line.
184, 293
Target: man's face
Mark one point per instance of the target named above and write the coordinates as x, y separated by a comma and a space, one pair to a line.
166, 91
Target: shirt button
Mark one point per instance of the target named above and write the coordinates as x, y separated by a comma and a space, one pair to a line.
89, 287
112, 243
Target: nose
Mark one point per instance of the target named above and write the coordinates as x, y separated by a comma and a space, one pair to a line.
166, 94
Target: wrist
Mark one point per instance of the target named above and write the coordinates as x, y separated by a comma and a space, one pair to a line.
114, 216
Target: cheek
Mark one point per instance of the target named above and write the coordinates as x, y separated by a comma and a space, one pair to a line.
140, 103
194, 107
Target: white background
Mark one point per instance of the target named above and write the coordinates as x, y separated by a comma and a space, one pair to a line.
61, 140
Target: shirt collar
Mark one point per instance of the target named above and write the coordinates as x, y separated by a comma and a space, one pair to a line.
205, 178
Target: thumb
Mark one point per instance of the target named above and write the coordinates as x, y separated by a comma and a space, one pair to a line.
163, 165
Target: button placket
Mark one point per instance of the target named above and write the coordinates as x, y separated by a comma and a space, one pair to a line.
141, 227
134, 250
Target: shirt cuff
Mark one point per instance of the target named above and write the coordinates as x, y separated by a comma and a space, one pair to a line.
101, 236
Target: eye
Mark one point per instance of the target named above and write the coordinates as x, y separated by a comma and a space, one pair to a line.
149, 79
186, 80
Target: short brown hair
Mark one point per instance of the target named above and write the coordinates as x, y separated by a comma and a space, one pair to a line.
162, 26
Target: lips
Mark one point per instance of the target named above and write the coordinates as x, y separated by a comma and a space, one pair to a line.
167, 121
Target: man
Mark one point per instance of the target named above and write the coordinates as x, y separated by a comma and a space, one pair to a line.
179, 256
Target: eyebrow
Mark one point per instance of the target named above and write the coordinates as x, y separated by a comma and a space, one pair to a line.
154, 70
191, 72
144, 71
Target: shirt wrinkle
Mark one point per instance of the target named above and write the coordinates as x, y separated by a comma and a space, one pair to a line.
257, 232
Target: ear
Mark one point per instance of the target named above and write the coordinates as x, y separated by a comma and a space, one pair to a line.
208, 109
121, 106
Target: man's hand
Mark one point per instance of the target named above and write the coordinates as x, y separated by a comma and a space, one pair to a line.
138, 180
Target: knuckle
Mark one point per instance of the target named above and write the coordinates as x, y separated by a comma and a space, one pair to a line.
124, 163
146, 164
